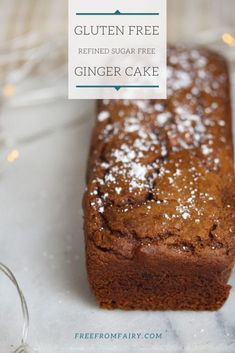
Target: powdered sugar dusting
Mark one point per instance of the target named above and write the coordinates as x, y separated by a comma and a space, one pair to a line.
103, 115
138, 140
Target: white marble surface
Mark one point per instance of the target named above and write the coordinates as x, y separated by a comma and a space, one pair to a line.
41, 240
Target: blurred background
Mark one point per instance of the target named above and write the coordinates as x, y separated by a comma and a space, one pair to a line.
33, 41
33, 55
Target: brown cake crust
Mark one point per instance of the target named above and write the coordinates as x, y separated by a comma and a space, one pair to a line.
160, 200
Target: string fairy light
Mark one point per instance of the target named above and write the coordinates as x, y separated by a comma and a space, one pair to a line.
228, 39
13, 156
8, 90
23, 348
